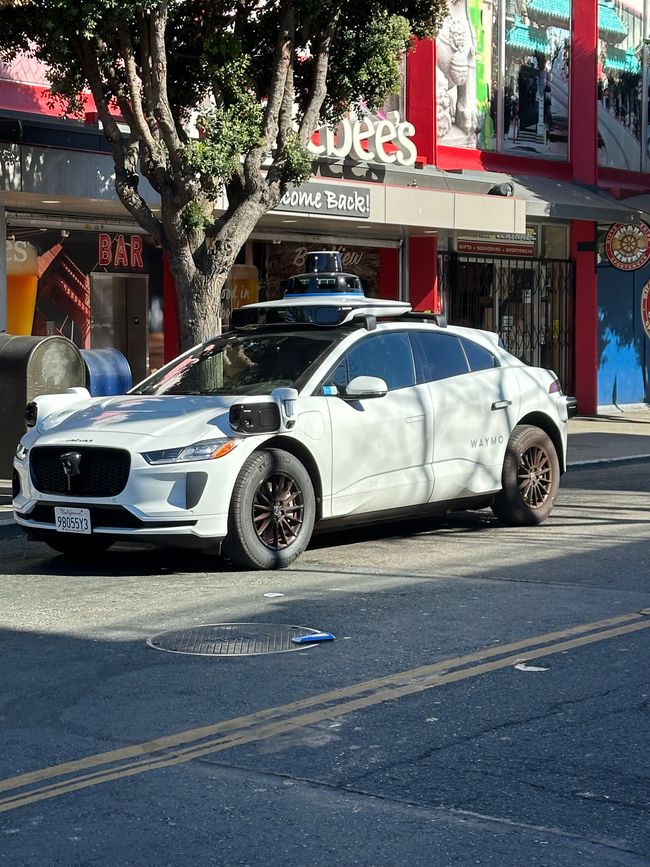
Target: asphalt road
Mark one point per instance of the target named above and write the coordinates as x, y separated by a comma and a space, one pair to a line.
485, 700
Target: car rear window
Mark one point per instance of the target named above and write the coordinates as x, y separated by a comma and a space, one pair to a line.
438, 356
479, 358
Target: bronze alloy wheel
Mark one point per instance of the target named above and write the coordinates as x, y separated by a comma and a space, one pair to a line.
272, 511
535, 475
278, 510
530, 478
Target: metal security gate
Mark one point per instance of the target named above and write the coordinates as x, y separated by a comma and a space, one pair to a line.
528, 302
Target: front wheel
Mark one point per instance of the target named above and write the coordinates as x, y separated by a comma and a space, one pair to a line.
272, 511
531, 477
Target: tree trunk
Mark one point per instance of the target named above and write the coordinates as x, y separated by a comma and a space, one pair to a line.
199, 287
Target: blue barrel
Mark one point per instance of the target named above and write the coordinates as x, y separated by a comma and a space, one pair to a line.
107, 371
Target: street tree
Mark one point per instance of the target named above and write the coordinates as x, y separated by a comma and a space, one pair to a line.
254, 77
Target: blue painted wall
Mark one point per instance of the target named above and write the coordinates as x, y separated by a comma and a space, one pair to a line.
623, 346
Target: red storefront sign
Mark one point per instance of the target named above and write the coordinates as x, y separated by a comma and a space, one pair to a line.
114, 251
494, 248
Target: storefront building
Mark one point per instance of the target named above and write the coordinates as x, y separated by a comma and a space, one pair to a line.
545, 98
487, 189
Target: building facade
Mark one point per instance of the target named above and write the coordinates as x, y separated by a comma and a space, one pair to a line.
550, 98
507, 184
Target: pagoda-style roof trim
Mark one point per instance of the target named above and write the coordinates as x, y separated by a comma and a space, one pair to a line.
618, 60
557, 13
526, 38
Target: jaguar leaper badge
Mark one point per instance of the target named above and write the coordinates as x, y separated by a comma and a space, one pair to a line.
627, 245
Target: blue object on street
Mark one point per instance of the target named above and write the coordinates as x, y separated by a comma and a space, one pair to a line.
316, 636
107, 371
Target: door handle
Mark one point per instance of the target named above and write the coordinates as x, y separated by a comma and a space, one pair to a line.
501, 404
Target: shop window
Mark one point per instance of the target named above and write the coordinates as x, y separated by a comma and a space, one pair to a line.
619, 86
502, 77
555, 242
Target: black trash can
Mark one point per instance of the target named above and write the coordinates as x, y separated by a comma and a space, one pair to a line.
29, 367
107, 371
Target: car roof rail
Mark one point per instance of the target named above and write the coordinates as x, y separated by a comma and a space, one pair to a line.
369, 321
439, 319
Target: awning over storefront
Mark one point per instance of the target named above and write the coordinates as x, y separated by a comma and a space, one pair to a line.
566, 201
640, 203
562, 200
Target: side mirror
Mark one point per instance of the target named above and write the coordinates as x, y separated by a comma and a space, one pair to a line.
364, 387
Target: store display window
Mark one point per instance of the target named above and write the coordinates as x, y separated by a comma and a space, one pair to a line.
502, 76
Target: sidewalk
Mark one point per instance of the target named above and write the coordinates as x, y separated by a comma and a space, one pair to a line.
609, 438
602, 439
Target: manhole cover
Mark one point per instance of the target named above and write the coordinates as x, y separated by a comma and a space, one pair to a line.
232, 639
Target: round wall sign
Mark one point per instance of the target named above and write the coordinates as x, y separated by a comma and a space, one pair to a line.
627, 245
645, 308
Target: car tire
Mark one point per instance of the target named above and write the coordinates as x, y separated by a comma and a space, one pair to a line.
530, 478
77, 548
272, 511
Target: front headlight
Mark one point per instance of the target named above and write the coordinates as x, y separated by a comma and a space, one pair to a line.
206, 450
21, 452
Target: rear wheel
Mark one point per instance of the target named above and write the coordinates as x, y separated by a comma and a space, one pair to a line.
531, 477
272, 511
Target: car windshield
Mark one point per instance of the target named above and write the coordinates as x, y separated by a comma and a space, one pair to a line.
240, 364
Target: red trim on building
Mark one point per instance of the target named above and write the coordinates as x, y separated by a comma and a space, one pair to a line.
421, 97
586, 317
583, 115
622, 183
423, 274
33, 99
450, 158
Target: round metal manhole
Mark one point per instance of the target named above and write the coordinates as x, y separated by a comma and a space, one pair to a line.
233, 639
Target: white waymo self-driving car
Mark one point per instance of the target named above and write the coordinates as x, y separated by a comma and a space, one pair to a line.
309, 411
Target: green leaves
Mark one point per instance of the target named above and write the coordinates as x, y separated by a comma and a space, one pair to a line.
227, 133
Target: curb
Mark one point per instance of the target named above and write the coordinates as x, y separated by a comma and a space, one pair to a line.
605, 461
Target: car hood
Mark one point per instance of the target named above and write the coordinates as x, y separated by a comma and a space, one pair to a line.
143, 416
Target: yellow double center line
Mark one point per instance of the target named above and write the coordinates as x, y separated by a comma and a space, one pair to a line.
194, 743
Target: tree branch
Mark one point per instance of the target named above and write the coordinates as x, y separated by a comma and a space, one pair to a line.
162, 111
124, 155
134, 85
319, 82
147, 84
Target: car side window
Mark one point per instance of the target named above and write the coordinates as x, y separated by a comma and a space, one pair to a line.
438, 356
479, 358
387, 356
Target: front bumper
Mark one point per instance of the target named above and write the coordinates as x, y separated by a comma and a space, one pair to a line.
166, 505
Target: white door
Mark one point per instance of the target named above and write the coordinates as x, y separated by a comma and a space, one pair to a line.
381, 446
475, 407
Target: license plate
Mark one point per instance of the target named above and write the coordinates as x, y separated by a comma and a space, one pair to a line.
67, 520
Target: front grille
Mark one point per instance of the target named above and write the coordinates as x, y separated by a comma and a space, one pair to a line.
102, 472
